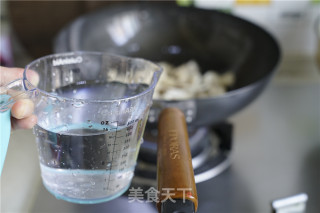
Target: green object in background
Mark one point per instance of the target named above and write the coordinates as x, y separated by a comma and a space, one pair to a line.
315, 1
187, 3
184, 3
228, 11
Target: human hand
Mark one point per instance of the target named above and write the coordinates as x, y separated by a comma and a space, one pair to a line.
22, 111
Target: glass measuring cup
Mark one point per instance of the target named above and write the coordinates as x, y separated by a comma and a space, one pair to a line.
91, 109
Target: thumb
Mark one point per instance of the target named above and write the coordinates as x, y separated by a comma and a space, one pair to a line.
10, 74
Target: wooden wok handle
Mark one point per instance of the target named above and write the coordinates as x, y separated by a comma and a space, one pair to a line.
175, 171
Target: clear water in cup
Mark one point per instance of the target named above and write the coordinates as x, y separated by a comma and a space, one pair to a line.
90, 163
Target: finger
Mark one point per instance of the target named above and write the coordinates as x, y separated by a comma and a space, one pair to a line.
25, 123
10, 74
32, 77
22, 108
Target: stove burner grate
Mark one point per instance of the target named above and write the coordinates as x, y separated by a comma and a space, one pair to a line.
210, 150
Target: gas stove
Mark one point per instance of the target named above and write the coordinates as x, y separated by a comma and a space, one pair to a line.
210, 150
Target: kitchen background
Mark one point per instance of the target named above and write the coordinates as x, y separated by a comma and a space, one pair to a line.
276, 140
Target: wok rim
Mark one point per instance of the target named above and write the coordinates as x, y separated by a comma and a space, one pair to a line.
157, 6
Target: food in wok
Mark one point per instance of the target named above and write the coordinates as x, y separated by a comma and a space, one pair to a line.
187, 82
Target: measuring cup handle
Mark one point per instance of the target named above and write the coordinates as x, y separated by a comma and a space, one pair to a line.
175, 171
5, 129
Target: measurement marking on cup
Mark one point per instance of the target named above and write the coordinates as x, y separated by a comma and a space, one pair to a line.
113, 151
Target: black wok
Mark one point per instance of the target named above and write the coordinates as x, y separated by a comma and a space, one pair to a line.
159, 32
